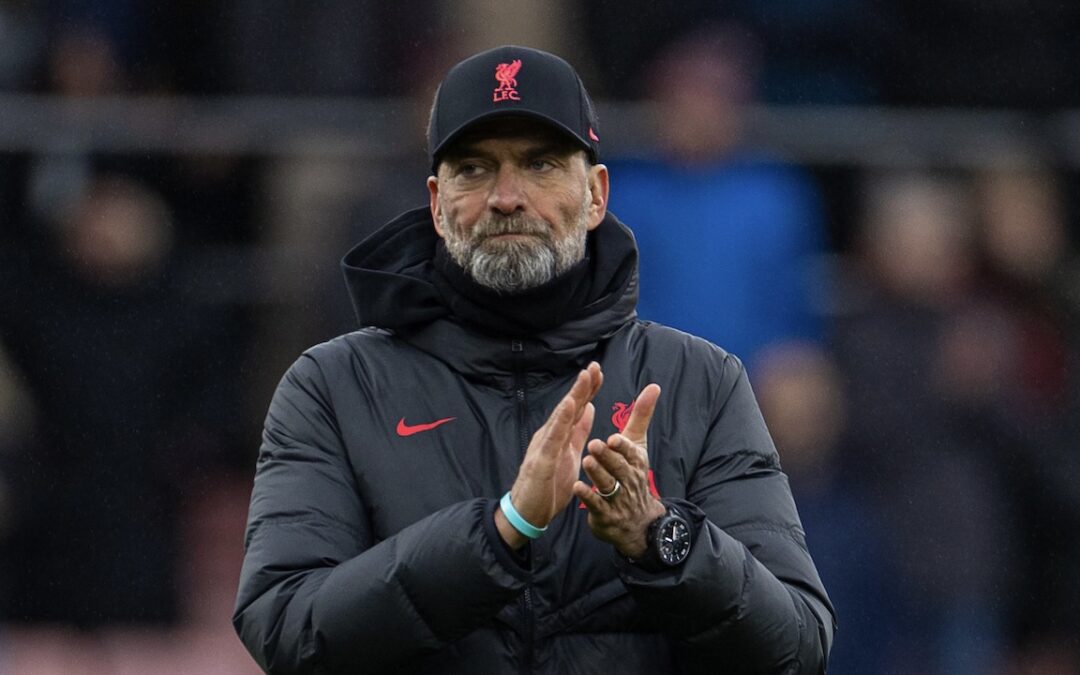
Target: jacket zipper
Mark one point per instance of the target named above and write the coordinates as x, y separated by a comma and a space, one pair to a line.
518, 349
526, 664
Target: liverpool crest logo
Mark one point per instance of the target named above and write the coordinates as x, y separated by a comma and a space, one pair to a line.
621, 415
507, 89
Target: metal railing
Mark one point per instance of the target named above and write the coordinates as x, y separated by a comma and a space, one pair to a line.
386, 128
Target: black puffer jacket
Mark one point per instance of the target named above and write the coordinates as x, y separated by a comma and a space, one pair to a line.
371, 545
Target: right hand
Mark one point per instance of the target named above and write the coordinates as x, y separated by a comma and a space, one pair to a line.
552, 463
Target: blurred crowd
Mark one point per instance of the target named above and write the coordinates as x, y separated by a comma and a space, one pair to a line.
911, 334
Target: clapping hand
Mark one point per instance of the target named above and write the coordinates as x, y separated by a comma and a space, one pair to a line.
622, 507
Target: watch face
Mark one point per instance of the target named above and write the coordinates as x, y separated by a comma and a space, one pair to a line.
673, 541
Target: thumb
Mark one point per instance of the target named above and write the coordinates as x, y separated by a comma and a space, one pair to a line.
637, 426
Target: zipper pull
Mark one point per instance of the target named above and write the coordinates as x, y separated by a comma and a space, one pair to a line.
516, 346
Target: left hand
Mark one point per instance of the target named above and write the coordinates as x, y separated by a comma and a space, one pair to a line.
622, 519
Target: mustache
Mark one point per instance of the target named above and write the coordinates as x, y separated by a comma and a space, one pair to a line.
495, 225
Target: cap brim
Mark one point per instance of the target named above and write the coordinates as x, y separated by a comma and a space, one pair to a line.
437, 153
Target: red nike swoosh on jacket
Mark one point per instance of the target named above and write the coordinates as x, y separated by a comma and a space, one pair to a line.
410, 429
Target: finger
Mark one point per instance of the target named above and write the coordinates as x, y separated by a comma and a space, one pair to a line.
568, 417
580, 390
638, 425
635, 454
569, 410
597, 378
612, 461
592, 501
581, 429
553, 436
585, 388
598, 475
596, 445
587, 401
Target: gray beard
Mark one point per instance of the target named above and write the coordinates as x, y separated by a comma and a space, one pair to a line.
515, 264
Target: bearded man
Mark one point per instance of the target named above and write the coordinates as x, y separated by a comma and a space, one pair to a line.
427, 497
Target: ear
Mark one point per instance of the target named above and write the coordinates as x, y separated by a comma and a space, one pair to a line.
436, 212
598, 191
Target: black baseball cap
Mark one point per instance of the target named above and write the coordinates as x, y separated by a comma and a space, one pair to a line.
512, 81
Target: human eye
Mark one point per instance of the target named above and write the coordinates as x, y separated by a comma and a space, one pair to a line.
541, 164
468, 169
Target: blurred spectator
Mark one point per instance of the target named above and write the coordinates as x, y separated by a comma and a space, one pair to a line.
1025, 247
918, 361
125, 374
727, 233
81, 62
802, 402
623, 48
1024, 281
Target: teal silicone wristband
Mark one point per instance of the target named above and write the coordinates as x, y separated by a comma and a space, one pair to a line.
520, 524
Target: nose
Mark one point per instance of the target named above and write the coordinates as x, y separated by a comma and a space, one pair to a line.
508, 192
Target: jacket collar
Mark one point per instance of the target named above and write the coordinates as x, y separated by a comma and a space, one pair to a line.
394, 284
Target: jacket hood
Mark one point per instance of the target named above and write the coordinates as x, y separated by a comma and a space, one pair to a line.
398, 279
389, 274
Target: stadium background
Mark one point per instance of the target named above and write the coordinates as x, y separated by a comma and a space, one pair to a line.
179, 180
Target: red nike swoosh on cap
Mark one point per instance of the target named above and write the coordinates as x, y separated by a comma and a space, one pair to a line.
410, 429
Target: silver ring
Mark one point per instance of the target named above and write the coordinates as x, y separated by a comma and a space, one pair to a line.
614, 491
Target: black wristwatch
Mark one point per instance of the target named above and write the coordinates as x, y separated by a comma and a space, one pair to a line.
667, 543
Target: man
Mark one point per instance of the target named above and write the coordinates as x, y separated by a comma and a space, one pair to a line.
421, 503
740, 209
